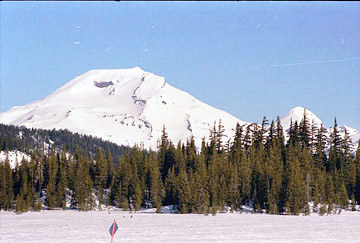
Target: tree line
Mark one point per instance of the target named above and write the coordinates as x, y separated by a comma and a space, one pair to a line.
258, 168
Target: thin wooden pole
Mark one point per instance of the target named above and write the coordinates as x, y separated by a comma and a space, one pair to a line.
113, 232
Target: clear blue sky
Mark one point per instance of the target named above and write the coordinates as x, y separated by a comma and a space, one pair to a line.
250, 59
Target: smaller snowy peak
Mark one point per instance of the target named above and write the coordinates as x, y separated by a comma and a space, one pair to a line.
296, 115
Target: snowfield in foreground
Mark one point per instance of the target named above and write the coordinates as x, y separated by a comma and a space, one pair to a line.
74, 226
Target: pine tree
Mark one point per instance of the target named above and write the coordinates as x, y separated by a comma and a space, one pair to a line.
237, 143
165, 154
184, 192
357, 165
83, 185
330, 194
334, 152
6, 185
233, 194
280, 136
156, 187
101, 175
219, 133
62, 185
171, 193
136, 183
110, 168
213, 183
258, 180
124, 177
348, 164
274, 177
343, 197
245, 176
198, 184
304, 131
25, 194
20, 204
51, 185
190, 154
320, 159
295, 189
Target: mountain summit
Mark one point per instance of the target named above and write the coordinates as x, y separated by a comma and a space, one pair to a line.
125, 106
296, 115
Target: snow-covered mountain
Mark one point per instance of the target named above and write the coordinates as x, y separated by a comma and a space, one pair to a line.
129, 106
297, 114
125, 106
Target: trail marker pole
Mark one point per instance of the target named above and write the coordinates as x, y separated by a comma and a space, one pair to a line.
112, 230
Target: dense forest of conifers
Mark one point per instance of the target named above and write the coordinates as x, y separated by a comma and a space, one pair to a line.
258, 169
29, 140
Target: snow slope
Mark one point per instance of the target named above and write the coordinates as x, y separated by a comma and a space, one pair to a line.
125, 106
73, 226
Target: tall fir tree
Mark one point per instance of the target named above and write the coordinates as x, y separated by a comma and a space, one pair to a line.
6, 185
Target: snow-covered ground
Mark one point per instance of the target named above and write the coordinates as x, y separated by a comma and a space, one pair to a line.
74, 226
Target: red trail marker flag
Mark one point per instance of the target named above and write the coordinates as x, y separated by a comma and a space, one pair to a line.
113, 228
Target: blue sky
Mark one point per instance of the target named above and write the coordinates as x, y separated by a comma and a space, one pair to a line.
250, 59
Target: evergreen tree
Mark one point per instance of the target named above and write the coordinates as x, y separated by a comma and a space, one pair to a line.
233, 194
171, 193
101, 175
295, 188
320, 159
357, 165
218, 135
165, 154
304, 131
184, 192
51, 186
83, 185
156, 187
334, 152
343, 197
348, 165
6, 185
61, 188
110, 169
330, 194
200, 196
